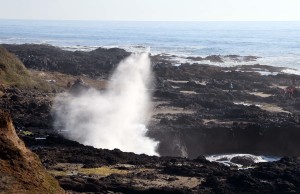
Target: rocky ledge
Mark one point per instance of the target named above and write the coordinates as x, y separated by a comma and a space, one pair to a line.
97, 63
80, 168
198, 109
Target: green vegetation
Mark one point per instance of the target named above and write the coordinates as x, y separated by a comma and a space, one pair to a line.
101, 171
51, 183
14, 73
104, 171
25, 133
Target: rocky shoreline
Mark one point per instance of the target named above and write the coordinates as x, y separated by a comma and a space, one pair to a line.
102, 171
198, 109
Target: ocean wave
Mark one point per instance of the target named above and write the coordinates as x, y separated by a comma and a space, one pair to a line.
79, 48
177, 55
227, 159
292, 71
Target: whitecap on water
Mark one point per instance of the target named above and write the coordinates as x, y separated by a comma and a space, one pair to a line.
226, 159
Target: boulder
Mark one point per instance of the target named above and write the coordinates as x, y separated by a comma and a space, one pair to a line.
243, 160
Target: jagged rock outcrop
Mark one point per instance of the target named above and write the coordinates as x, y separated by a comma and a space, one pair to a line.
96, 63
21, 170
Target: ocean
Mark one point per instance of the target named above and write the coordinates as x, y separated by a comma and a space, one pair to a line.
277, 43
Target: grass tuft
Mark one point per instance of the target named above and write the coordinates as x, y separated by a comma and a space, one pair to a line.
14, 73
101, 171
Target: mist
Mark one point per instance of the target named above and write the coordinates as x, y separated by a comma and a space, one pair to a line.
116, 117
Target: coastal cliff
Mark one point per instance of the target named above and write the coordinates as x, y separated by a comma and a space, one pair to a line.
20, 169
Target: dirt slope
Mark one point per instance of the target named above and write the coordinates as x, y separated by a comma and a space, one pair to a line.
21, 170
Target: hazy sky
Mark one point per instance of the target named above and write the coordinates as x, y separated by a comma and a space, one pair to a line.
153, 10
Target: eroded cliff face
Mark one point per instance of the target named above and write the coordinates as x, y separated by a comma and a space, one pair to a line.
21, 170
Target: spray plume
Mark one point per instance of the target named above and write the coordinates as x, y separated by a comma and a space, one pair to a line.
115, 118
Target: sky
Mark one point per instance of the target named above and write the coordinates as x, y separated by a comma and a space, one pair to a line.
152, 10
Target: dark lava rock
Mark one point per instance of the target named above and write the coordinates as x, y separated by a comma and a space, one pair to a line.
49, 58
243, 160
14, 98
215, 58
201, 159
210, 120
78, 86
281, 176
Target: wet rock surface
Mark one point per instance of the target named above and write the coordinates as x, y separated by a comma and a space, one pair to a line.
81, 168
29, 108
207, 110
198, 109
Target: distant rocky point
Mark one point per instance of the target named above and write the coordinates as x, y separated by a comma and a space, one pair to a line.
96, 63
